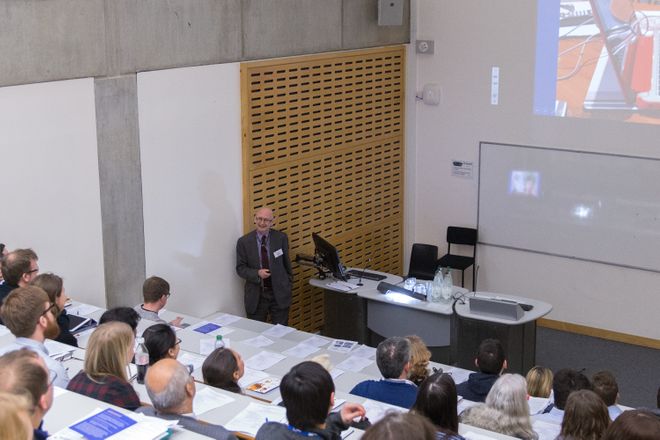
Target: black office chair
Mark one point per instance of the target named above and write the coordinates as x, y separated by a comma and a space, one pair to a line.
423, 261
464, 236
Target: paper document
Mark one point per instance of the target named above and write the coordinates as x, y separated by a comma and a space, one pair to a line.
301, 351
208, 399
82, 309
187, 358
253, 416
458, 374
264, 360
471, 435
464, 404
251, 376
277, 331
377, 410
354, 363
57, 391
364, 351
546, 430
57, 350
342, 286
317, 341
342, 345
336, 372
226, 319
206, 328
537, 404
258, 341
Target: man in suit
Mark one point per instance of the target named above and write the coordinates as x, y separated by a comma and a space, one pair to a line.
262, 260
171, 389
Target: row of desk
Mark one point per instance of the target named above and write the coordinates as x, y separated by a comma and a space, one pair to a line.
241, 333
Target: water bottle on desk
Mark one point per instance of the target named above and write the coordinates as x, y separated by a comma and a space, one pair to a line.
141, 360
436, 292
447, 285
219, 343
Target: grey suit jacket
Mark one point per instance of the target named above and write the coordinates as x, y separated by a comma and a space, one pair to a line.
248, 263
191, 424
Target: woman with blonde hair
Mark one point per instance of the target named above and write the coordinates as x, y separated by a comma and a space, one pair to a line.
539, 381
103, 377
53, 285
15, 421
505, 411
419, 360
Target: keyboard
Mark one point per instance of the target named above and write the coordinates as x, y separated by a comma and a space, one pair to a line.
357, 273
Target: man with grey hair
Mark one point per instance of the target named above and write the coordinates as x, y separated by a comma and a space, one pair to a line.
172, 390
393, 360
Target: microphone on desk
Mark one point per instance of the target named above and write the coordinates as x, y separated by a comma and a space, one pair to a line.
359, 283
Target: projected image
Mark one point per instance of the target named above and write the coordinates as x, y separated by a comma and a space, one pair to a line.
524, 183
598, 59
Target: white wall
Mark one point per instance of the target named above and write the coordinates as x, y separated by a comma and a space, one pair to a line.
49, 168
470, 37
190, 143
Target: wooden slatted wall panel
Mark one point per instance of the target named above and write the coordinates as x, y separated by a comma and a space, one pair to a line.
323, 145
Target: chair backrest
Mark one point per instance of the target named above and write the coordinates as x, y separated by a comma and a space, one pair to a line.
423, 257
458, 235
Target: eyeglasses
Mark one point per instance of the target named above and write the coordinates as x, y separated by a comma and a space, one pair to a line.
167, 295
263, 220
51, 377
32, 271
178, 341
51, 307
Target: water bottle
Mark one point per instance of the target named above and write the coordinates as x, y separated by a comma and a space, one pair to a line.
434, 295
219, 343
141, 360
447, 284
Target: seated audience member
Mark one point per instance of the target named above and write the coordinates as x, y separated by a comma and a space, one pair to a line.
171, 389
122, 314
490, 362
103, 377
634, 425
30, 316
398, 426
393, 360
604, 384
24, 373
585, 417
18, 268
223, 368
419, 359
308, 394
506, 410
155, 292
539, 382
14, 418
161, 342
54, 287
437, 401
564, 383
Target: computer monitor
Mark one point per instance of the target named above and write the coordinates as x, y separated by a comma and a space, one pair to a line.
329, 257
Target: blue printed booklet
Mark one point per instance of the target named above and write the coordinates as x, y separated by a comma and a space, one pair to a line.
207, 328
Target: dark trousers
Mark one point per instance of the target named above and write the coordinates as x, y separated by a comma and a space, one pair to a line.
268, 304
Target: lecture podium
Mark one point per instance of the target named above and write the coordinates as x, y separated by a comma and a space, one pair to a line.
368, 316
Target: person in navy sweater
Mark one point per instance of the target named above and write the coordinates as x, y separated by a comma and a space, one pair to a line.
491, 363
393, 360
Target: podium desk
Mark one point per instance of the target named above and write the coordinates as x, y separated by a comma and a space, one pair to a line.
517, 337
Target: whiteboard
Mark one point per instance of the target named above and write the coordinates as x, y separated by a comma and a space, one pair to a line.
591, 206
190, 147
50, 173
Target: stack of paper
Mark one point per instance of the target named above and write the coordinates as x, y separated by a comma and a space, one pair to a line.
253, 416
208, 399
110, 423
263, 360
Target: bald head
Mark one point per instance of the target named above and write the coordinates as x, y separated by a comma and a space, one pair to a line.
263, 219
170, 387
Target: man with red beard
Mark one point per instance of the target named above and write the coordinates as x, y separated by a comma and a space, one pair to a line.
30, 316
